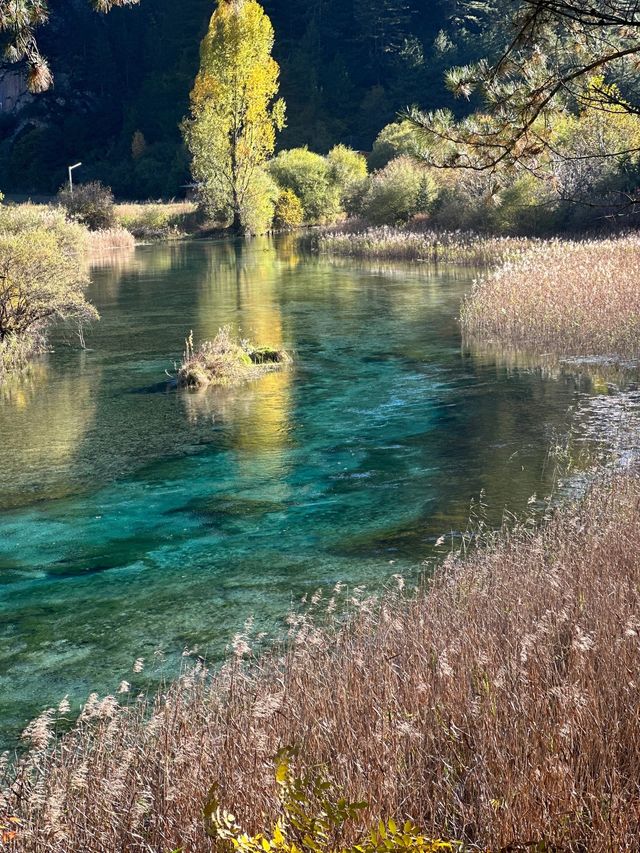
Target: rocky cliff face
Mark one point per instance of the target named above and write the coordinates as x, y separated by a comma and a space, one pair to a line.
114, 75
14, 94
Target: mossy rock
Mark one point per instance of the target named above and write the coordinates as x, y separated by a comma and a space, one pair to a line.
268, 355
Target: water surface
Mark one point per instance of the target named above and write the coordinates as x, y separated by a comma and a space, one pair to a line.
136, 520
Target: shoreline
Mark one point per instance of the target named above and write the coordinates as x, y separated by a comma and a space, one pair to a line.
477, 708
407, 659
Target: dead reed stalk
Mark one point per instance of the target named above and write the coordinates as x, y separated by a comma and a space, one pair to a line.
102, 243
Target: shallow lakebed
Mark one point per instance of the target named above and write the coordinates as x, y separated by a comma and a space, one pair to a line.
137, 522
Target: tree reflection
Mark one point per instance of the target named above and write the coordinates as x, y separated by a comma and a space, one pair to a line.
44, 418
241, 287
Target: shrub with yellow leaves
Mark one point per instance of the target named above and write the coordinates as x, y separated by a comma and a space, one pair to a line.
312, 819
8, 830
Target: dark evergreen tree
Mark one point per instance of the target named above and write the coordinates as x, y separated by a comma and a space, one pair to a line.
19, 20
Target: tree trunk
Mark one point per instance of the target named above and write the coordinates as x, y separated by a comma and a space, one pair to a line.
236, 226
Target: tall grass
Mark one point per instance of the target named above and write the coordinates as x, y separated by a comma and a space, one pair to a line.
108, 241
153, 221
500, 705
417, 244
20, 218
566, 298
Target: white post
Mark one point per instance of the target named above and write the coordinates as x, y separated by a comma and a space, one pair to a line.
71, 168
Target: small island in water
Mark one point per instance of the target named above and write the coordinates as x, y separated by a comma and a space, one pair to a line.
226, 361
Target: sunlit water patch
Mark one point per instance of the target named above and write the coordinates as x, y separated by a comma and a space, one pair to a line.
134, 518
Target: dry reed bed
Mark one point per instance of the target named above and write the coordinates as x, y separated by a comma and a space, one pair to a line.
417, 244
102, 244
565, 298
501, 705
149, 220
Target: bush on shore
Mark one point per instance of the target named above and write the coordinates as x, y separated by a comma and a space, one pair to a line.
499, 706
289, 213
308, 175
397, 139
478, 202
42, 280
564, 298
90, 204
348, 172
398, 192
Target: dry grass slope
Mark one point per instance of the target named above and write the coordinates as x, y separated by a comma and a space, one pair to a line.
562, 298
499, 706
153, 221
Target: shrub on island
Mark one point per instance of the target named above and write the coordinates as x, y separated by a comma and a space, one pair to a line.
226, 361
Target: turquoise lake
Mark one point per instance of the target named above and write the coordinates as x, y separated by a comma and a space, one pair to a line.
137, 521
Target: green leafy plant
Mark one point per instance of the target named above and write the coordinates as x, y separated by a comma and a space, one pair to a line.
348, 172
309, 176
398, 192
312, 819
395, 140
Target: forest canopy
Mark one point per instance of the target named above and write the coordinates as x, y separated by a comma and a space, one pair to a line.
486, 97
347, 69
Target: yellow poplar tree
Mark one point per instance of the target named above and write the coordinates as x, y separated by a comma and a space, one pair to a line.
235, 115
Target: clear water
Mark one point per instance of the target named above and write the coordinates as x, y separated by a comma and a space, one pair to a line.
135, 519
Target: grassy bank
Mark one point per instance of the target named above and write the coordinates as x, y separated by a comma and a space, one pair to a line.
500, 706
158, 221
561, 297
418, 243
